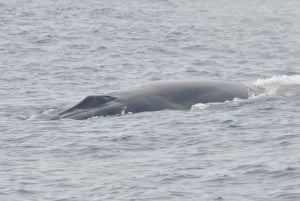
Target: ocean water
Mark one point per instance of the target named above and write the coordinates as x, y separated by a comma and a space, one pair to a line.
54, 53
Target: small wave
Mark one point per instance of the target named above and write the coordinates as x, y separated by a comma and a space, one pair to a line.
282, 85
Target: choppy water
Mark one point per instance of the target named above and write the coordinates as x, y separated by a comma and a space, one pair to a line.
54, 53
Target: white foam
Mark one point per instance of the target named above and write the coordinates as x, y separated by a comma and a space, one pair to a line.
276, 85
199, 106
280, 80
204, 106
283, 85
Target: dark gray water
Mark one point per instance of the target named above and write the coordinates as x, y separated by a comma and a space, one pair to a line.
54, 53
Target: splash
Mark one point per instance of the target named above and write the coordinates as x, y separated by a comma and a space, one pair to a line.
204, 106
283, 85
200, 106
49, 114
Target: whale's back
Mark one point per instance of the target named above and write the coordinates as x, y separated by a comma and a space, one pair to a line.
180, 94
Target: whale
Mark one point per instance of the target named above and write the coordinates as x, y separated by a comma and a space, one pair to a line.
167, 95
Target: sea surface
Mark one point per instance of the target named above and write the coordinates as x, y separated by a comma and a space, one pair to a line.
53, 53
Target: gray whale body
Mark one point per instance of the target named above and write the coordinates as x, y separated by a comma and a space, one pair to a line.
170, 95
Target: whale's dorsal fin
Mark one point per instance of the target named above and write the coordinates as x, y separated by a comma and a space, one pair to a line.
90, 102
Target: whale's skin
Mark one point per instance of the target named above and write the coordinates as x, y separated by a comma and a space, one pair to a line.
169, 95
